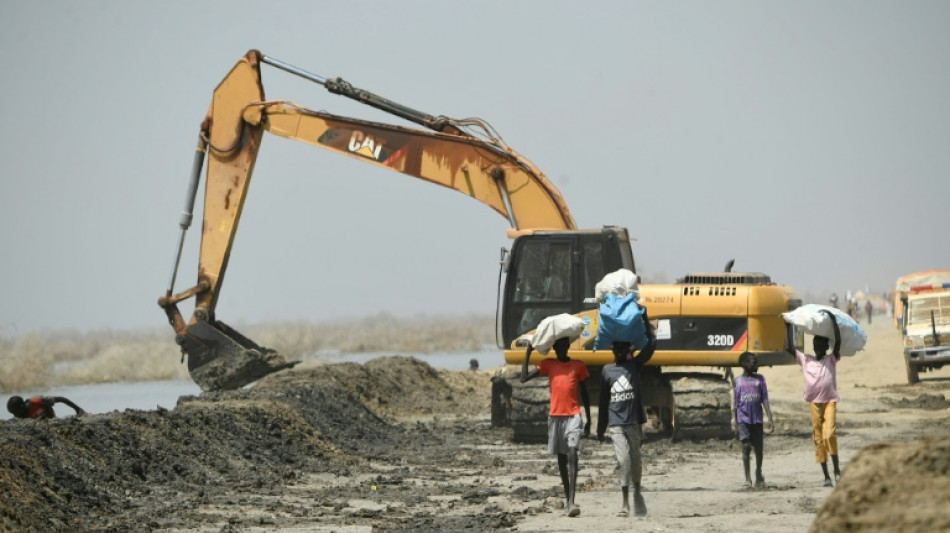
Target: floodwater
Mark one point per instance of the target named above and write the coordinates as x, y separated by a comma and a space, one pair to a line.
446, 361
149, 395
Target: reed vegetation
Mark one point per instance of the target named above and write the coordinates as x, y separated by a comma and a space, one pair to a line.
42, 359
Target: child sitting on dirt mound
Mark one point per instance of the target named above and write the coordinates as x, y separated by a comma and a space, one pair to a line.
750, 398
565, 376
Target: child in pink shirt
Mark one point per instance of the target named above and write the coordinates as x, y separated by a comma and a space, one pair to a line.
821, 392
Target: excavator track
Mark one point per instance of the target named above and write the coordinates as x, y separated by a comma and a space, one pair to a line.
521, 406
529, 415
692, 406
524, 406
703, 406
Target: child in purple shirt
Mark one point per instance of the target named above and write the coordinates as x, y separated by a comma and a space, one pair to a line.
750, 398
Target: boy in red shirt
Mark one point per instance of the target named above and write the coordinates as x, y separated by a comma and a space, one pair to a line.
565, 376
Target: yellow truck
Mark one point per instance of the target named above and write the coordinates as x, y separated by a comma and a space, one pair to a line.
905, 283
925, 321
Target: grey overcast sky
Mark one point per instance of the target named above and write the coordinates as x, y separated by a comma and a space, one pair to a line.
809, 140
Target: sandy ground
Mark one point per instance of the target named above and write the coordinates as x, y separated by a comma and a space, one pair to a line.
394, 445
699, 487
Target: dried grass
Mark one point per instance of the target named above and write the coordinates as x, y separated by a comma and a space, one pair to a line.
378, 333
42, 359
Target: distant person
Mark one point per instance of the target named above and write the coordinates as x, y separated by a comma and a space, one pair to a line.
473, 364
621, 414
556, 283
750, 398
555, 288
833, 300
869, 309
565, 377
821, 392
39, 406
850, 308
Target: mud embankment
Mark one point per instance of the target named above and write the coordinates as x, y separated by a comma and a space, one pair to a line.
123, 471
394, 445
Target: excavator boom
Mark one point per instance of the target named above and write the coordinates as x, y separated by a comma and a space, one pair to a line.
500, 179
463, 155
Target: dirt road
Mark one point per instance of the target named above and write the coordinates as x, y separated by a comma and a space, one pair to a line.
394, 445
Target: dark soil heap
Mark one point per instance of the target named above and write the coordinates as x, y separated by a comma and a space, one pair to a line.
892, 487
117, 471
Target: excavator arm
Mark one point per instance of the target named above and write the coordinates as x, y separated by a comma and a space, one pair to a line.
502, 180
464, 155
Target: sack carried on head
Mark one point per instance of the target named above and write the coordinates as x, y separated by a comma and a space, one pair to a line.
553, 328
620, 319
619, 283
810, 319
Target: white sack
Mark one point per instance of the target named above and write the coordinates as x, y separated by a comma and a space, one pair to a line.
813, 321
620, 283
553, 328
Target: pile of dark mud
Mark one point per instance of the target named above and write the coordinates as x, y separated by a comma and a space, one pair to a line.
129, 471
892, 487
923, 401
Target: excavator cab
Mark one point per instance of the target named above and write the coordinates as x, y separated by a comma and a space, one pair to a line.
553, 272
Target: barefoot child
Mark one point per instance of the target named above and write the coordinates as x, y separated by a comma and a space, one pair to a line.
821, 393
750, 398
565, 377
620, 413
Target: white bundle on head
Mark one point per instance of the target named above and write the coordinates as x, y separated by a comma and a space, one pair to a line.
553, 328
620, 283
812, 319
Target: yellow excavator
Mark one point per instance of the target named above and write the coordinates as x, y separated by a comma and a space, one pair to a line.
703, 320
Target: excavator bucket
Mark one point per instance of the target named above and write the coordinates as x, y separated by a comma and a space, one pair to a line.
220, 358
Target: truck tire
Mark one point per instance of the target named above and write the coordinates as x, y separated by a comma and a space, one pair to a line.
913, 375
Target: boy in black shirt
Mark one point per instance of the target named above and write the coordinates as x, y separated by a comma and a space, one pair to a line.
621, 413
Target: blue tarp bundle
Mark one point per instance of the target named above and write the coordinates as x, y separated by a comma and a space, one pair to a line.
620, 319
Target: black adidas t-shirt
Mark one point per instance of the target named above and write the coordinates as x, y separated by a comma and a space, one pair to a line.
622, 385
